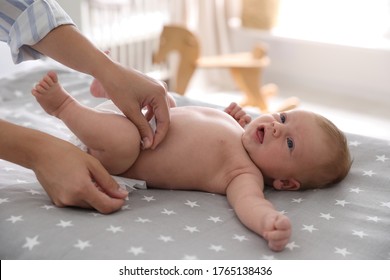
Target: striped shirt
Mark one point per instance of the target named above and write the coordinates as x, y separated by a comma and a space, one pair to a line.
24, 23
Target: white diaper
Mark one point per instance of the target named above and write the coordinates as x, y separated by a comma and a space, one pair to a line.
130, 184
109, 107
77, 142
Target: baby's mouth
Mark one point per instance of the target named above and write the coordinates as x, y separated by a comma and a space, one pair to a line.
260, 134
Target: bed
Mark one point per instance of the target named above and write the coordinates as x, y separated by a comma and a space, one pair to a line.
350, 220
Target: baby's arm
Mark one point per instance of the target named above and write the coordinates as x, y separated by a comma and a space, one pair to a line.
238, 114
245, 195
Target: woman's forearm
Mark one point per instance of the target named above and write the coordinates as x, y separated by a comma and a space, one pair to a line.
20, 145
68, 46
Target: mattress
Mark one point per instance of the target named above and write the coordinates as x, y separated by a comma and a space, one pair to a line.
348, 221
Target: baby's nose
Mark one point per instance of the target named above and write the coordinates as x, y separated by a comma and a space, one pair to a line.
276, 129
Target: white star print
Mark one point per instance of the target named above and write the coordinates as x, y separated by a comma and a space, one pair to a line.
33, 192
126, 207
8, 169
136, 251
297, 200
165, 238
3, 200
369, 173
216, 248
326, 216
168, 212
361, 234
21, 181
141, 220
381, 158
268, 257
65, 224
214, 219
385, 204
82, 244
14, 219
96, 214
191, 229
310, 228
31, 242
47, 207
189, 257
240, 237
148, 198
373, 218
114, 229
355, 190
342, 251
341, 202
354, 143
192, 204
292, 245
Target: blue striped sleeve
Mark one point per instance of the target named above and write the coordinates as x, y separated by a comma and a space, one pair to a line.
24, 23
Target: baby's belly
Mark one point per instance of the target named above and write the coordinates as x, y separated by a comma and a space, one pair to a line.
189, 168
196, 154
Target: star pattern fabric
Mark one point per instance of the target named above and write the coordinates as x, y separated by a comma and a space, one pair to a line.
350, 220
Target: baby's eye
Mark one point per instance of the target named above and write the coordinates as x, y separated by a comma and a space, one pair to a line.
290, 143
282, 118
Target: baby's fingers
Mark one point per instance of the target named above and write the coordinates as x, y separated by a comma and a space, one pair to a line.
277, 235
277, 245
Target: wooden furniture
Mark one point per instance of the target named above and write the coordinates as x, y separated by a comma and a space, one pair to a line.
246, 68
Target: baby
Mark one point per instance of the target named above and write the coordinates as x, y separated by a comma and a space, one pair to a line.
214, 151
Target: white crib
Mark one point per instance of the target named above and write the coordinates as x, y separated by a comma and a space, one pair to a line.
130, 29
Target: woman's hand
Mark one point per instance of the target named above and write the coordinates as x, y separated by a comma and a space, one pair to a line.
131, 91
72, 177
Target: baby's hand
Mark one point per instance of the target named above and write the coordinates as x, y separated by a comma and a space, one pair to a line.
277, 231
238, 114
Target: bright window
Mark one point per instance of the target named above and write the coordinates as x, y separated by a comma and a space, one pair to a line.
352, 22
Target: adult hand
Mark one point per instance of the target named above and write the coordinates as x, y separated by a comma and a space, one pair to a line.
131, 91
74, 178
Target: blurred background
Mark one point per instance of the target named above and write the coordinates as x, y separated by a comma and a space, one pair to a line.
334, 55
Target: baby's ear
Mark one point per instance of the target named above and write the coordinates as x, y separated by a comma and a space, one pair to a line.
286, 185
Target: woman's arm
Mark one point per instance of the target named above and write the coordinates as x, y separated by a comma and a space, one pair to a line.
129, 89
68, 175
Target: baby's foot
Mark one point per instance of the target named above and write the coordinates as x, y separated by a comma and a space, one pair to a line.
277, 231
51, 95
97, 89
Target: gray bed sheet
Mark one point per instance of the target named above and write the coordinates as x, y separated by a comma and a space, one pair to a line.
350, 220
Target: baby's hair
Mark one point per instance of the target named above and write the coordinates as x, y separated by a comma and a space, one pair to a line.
339, 162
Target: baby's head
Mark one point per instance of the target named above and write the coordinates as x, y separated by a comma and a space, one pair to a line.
297, 150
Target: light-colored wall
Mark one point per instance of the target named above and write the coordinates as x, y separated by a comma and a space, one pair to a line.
73, 8
322, 68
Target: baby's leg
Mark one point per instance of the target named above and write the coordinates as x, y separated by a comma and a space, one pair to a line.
111, 138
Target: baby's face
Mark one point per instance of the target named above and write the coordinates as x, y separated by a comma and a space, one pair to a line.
284, 145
